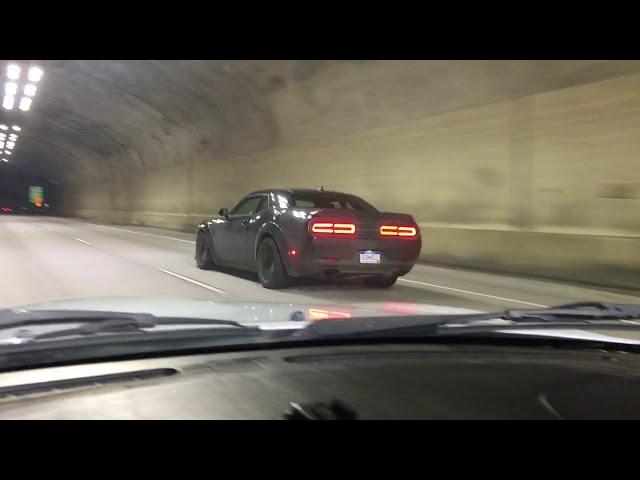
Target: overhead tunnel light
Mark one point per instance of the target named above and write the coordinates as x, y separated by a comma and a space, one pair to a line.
15, 127
30, 90
10, 145
35, 74
3, 127
10, 88
5, 160
7, 152
8, 102
13, 72
1, 144
25, 104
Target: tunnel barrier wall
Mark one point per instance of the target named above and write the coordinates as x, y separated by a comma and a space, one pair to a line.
545, 184
598, 259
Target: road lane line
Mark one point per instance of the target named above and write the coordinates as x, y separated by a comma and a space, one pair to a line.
81, 240
471, 293
142, 233
49, 228
195, 282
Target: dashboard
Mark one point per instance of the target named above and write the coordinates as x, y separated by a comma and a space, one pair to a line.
419, 381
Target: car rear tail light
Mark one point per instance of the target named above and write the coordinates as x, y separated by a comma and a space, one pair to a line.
398, 231
333, 228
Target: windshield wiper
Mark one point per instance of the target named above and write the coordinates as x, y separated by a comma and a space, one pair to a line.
583, 314
576, 311
18, 318
97, 322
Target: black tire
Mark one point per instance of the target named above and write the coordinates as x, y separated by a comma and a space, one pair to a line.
381, 281
271, 272
203, 255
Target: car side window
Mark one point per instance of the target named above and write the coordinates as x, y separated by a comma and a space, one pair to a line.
262, 205
248, 207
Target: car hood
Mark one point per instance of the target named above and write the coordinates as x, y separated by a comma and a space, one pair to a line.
244, 312
275, 315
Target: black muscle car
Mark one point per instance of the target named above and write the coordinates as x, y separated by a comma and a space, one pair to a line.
286, 233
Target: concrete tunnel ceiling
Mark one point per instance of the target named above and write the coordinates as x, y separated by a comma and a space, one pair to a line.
93, 119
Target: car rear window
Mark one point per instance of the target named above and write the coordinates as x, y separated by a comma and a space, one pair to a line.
330, 200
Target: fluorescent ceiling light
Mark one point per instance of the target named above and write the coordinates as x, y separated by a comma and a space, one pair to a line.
35, 74
13, 72
3, 127
13, 137
1, 144
30, 90
8, 102
25, 104
10, 88
5, 160
7, 152
15, 127
10, 145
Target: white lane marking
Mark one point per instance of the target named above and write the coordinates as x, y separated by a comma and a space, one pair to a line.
81, 240
195, 282
147, 234
49, 228
471, 293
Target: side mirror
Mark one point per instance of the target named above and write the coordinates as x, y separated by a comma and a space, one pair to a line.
224, 212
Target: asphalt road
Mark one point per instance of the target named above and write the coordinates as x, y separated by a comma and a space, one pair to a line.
47, 258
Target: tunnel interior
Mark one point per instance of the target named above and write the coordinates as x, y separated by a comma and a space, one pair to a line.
488, 156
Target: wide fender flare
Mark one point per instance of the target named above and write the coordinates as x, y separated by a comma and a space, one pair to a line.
205, 227
273, 230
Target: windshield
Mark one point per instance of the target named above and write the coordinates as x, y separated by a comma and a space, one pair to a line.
330, 200
244, 191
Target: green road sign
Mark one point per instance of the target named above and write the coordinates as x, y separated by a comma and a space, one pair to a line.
36, 195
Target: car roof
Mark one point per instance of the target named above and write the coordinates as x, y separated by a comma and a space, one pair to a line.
293, 190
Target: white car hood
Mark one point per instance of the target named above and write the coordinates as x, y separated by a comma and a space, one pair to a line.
243, 312
272, 315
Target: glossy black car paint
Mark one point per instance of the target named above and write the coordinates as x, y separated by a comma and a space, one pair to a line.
234, 240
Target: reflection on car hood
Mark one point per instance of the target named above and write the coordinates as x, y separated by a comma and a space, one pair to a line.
260, 313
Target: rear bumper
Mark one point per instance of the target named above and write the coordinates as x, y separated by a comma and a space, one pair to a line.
322, 256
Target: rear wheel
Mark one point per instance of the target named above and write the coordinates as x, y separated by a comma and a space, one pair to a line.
271, 272
203, 255
381, 281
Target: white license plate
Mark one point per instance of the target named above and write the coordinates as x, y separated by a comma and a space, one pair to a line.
369, 257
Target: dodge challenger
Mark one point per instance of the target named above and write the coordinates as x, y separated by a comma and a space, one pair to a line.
284, 234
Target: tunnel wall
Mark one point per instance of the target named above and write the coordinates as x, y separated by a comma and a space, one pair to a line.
546, 183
